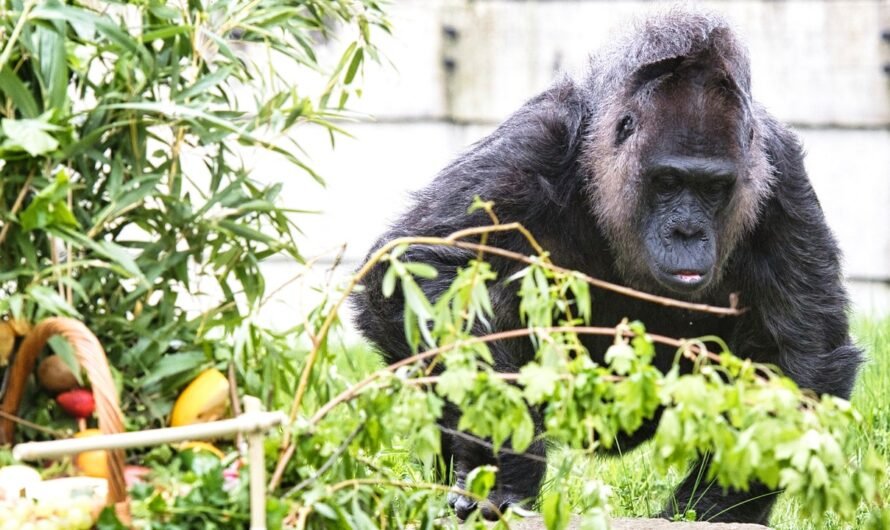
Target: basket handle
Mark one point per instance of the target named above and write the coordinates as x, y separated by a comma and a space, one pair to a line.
91, 356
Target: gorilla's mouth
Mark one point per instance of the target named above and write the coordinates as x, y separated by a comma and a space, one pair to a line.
688, 276
683, 280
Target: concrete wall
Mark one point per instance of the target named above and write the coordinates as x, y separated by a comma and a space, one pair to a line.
460, 67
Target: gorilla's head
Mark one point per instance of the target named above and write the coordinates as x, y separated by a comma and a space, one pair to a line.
674, 151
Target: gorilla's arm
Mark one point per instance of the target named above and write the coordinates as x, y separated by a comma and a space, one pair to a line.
794, 282
526, 166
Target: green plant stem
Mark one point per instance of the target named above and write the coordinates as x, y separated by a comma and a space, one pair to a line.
327, 465
31, 425
16, 206
16, 32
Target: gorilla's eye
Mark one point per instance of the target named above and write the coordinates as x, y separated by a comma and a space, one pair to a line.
666, 183
625, 129
718, 188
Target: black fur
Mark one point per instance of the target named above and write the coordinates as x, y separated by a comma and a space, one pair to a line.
571, 164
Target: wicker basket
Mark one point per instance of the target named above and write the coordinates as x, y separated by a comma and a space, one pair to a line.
91, 356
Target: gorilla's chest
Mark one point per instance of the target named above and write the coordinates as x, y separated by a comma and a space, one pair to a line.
609, 309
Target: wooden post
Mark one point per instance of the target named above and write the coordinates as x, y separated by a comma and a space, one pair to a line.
257, 464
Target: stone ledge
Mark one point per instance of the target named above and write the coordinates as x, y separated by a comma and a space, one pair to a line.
537, 523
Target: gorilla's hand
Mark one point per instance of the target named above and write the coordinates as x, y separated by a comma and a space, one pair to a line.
499, 500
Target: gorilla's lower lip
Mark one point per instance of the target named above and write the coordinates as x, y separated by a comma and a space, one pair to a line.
684, 280
688, 277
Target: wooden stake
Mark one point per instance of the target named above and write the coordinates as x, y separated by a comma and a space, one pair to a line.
257, 464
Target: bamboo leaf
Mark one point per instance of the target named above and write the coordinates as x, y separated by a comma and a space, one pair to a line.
205, 83
51, 302
53, 65
21, 97
354, 65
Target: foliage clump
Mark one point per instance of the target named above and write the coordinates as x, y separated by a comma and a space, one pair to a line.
127, 198
107, 217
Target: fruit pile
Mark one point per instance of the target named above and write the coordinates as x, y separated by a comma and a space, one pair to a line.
47, 514
29, 502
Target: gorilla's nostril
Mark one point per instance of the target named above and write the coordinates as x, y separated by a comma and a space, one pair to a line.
685, 232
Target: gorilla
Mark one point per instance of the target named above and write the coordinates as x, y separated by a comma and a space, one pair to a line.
655, 170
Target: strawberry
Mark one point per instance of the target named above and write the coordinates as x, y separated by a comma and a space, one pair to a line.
78, 402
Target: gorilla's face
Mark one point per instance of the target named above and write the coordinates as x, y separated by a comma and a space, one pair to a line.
685, 195
690, 165
674, 197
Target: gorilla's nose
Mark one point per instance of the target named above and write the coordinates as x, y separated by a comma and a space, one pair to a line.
688, 231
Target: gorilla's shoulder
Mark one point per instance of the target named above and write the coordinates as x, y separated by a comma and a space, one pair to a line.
526, 163
791, 229
542, 136
792, 192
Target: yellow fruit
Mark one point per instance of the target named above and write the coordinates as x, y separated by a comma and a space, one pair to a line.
201, 446
204, 399
20, 326
7, 342
92, 463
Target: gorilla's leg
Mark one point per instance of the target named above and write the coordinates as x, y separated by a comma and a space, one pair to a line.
714, 504
519, 475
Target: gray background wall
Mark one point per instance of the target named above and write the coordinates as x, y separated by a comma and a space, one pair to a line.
459, 67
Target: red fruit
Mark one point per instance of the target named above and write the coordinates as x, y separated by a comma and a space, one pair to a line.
78, 402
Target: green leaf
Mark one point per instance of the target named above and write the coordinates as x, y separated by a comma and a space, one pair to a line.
480, 480
63, 349
206, 83
555, 509
173, 364
86, 21
49, 207
21, 97
53, 64
523, 433
353, 66
422, 270
51, 302
30, 135
539, 382
454, 384
620, 357
390, 277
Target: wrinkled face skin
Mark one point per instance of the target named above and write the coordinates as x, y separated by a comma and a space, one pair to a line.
682, 141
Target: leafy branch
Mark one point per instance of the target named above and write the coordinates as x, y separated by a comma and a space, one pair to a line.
455, 240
